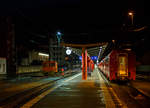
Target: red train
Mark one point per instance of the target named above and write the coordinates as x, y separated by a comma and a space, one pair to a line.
119, 65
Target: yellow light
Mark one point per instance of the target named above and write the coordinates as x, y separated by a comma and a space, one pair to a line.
128, 49
113, 41
43, 54
130, 13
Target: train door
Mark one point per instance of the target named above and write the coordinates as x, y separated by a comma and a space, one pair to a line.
123, 65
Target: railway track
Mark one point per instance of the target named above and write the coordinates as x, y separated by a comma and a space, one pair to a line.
139, 96
126, 96
17, 100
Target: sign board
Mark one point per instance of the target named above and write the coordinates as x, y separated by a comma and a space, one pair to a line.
2, 65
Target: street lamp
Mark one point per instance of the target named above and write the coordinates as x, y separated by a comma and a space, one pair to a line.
131, 15
58, 34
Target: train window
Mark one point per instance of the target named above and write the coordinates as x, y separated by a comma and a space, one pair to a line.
122, 65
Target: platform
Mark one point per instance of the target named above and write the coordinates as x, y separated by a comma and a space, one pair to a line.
75, 93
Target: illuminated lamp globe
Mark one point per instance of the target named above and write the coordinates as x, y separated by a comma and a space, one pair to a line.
68, 51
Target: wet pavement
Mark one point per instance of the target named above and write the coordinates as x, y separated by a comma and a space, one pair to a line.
75, 93
78, 93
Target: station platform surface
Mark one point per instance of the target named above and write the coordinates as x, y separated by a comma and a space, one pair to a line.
78, 93
74, 93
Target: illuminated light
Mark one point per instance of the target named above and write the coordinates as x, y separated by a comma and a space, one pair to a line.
113, 41
43, 54
67, 47
140, 29
97, 62
128, 49
130, 13
68, 51
66, 58
80, 57
58, 33
100, 50
95, 57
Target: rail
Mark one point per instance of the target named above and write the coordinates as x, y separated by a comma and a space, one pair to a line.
28, 94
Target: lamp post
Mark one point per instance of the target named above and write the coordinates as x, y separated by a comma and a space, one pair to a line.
49, 47
131, 15
58, 34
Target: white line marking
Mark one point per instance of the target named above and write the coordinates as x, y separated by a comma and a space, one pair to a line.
72, 77
38, 98
111, 89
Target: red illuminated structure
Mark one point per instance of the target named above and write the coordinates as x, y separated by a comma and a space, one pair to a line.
119, 65
87, 62
84, 63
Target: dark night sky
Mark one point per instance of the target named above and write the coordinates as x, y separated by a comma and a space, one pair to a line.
74, 16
